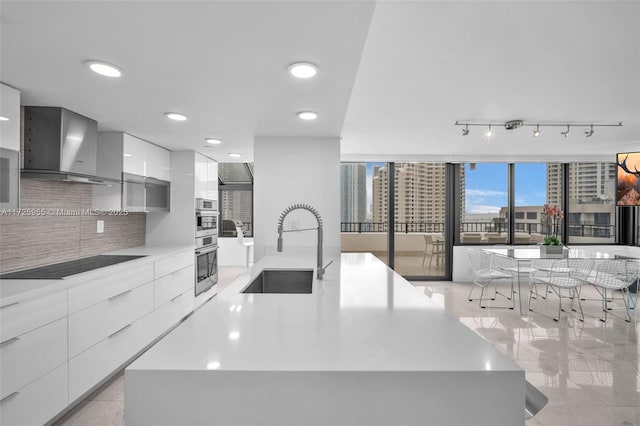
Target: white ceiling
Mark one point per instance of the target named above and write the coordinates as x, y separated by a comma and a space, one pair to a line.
394, 76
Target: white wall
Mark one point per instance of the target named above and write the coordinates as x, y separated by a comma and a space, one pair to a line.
296, 170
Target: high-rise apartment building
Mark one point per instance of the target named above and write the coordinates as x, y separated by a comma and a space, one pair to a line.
353, 192
591, 198
419, 193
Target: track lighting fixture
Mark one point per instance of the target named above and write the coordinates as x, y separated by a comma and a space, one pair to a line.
516, 124
589, 133
536, 132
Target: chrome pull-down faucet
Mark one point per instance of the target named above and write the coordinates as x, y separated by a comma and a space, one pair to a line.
281, 230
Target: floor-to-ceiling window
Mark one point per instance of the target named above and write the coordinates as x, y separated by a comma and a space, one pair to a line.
484, 199
363, 208
591, 205
536, 184
235, 198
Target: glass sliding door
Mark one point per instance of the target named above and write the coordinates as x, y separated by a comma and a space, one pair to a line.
420, 213
363, 208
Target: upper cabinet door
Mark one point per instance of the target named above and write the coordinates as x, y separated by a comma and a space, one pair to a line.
212, 179
134, 155
201, 179
158, 162
10, 109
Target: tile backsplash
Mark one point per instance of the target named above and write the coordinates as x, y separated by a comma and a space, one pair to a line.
65, 228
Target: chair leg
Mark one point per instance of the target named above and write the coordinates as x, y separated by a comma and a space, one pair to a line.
473, 285
577, 296
423, 258
481, 294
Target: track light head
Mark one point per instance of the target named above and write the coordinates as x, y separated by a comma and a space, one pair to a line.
589, 132
489, 132
536, 132
465, 131
566, 132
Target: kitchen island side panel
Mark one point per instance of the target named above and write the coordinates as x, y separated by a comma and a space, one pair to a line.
324, 397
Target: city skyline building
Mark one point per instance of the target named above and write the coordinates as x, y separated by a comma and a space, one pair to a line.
353, 192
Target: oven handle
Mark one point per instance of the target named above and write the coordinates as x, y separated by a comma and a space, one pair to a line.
206, 250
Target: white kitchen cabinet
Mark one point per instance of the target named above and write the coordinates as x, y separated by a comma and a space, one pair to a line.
201, 176
10, 108
143, 158
158, 162
169, 314
170, 264
91, 366
38, 402
206, 177
26, 315
134, 155
212, 180
31, 355
95, 323
172, 285
109, 285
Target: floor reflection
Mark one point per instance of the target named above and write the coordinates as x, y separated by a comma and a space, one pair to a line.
588, 370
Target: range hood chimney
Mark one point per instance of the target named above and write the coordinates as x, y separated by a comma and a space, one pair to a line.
60, 145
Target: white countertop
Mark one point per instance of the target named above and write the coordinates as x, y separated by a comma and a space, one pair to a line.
361, 317
12, 290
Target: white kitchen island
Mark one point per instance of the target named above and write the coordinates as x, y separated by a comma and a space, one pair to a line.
364, 348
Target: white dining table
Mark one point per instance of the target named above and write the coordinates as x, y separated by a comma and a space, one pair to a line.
524, 255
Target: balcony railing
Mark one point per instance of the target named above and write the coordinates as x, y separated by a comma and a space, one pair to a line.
575, 229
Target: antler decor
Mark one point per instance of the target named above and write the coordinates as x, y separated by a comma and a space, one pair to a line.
628, 190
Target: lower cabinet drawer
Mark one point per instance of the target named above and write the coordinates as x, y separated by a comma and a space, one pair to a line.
38, 402
23, 316
89, 326
169, 264
31, 355
169, 314
91, 366
170, 286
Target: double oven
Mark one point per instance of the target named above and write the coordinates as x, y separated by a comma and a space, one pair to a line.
206, 244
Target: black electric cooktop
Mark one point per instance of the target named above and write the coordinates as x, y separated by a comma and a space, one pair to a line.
66, 269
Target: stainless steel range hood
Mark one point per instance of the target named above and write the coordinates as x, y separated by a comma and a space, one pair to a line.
60, 145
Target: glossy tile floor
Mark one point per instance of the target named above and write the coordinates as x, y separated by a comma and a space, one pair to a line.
588, 370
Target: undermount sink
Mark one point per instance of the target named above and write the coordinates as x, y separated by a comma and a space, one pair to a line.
291, 281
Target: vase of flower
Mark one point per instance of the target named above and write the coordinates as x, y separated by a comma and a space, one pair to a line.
551, 245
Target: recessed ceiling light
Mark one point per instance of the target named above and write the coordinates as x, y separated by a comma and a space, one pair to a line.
235, 155
175, 116
213, 141
104, 69
302, 70
307, 115
3, 118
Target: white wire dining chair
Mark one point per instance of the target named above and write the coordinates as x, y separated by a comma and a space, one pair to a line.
565, 274
484, 274
612, 275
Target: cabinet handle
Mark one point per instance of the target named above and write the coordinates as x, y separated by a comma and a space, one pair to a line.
177, 297
10, 304
6, 342
11, 395
120, 295
122, 329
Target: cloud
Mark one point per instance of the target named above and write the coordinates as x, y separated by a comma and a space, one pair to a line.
484, 193
479, 209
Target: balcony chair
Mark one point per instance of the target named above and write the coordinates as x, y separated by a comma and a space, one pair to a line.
484, 273
433, 247
564, 274
615, 275
247, 244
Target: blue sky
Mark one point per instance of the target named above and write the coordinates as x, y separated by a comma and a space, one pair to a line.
486, 186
